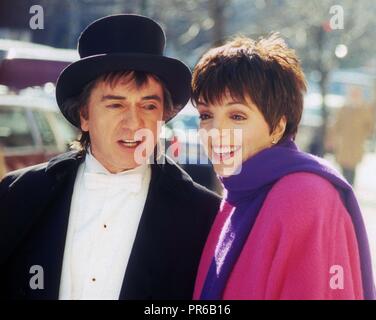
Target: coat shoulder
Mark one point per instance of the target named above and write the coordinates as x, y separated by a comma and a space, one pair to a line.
302, 200
183, 182
36, 175
25, 177
193, 199
309, 186
24, 173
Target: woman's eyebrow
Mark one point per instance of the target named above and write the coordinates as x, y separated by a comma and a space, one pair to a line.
235, 102
202, 103
241, 103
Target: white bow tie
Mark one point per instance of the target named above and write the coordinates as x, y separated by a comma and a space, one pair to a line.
131, 183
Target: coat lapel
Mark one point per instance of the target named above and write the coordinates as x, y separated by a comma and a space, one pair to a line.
159, 240
137, 279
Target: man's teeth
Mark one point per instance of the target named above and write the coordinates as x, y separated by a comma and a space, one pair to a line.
129, 142
225, 149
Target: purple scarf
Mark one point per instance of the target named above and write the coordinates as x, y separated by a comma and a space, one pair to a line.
247, 192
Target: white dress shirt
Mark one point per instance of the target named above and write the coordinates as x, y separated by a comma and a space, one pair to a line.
104, 216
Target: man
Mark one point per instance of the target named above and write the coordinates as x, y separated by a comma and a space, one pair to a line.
102, 223
353, 124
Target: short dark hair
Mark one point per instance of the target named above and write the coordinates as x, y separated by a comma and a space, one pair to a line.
79, 104
266, 71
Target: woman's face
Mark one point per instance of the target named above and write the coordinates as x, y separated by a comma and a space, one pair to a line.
240, 131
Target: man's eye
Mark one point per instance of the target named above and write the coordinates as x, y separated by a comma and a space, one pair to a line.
204, 116
150, 107
237, 117
114, 106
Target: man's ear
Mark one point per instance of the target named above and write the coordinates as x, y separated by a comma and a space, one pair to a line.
280, 129
84, 119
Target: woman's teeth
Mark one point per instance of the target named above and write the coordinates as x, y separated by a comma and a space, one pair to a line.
225, 150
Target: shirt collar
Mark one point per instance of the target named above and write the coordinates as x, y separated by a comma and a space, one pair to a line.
92, 165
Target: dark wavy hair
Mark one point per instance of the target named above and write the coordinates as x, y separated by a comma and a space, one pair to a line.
79, 104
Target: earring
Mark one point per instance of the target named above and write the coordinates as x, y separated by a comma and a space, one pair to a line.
274, 141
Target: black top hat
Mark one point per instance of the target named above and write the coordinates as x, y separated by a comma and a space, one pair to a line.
123, 42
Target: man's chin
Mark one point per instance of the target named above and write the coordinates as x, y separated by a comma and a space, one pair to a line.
124, 162
126, 166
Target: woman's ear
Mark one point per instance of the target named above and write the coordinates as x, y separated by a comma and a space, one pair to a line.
279, 129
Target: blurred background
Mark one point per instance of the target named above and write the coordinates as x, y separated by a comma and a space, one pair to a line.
334, 39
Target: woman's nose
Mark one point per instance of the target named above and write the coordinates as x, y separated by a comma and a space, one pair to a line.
218, 123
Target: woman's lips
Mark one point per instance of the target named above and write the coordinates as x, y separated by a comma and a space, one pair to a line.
222, 153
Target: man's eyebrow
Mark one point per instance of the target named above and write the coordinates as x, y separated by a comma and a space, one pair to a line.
115, 97
112, 97
152, 97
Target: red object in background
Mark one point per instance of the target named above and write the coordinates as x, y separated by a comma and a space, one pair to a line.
175, 147
326, 26
22, 73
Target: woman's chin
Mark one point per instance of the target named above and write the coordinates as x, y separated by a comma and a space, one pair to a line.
224, 170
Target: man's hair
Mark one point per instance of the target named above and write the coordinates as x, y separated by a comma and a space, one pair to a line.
266, 71
79, 104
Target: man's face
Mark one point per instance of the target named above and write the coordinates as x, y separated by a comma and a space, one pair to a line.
115, 114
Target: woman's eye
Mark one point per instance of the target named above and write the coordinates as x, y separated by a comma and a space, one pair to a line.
237, 117
204, 116
114, 106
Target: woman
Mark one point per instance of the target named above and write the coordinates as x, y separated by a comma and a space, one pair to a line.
289, 226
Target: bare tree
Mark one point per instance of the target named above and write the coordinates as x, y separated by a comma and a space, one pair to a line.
217, 10
308, 26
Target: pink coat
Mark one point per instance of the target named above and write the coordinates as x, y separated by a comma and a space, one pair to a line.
301, 242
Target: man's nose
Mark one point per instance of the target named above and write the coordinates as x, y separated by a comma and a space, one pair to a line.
132, 119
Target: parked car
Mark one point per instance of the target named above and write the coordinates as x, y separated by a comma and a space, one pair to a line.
32, 129
24, 64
